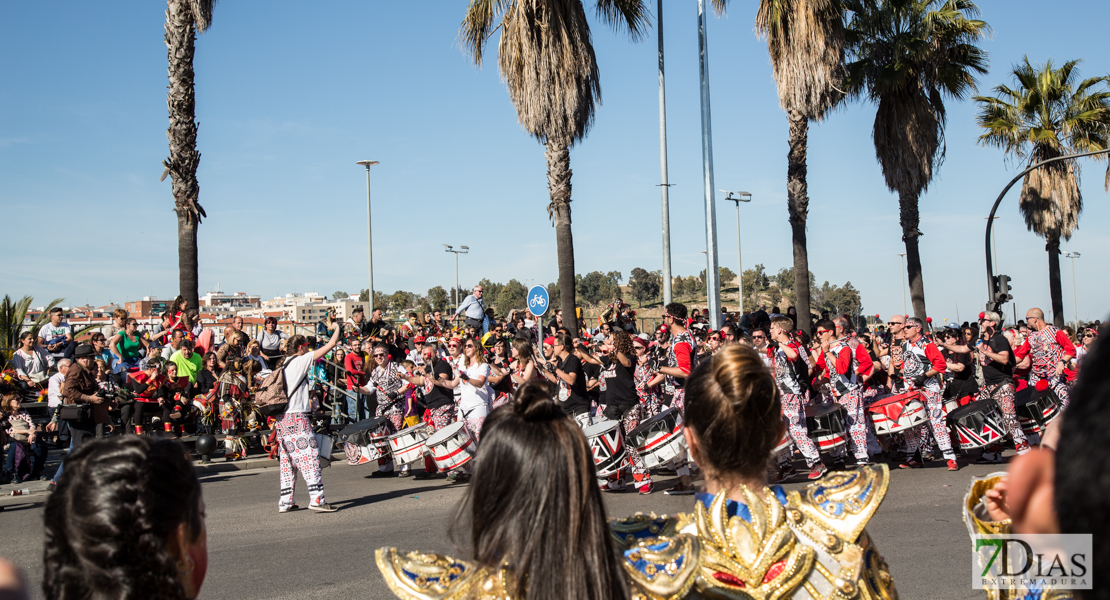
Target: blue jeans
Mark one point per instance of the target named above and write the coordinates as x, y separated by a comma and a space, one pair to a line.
125, 364
356, 408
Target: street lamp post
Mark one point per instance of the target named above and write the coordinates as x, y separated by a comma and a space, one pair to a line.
712, 276
738, 198
461, 250
664, 187
902, 255
1074, 298
369, 234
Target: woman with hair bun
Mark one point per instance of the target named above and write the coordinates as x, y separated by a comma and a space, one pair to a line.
126, 522
550, 542
815, 536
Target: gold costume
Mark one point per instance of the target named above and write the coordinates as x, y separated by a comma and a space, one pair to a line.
805, 545
978, 522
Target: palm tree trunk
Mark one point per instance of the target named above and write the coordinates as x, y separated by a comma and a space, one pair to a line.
558, 186
1053, 248
797, 205
182, 133
911, 218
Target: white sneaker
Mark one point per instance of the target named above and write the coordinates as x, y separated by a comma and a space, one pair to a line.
290, 508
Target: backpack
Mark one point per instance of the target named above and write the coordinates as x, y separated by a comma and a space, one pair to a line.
271, 399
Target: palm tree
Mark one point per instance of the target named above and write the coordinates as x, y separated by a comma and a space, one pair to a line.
13, 317
1050, 113
906, 56
184, 19
805, 39
547, 61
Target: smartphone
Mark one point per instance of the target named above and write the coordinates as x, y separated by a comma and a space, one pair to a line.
464, 376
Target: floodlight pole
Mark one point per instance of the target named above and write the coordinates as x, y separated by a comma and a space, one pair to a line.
664, 187
369, 234
712, 275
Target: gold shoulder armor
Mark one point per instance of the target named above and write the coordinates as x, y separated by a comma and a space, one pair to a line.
662, 568
630, 531
975, 511
420, 576
844, 501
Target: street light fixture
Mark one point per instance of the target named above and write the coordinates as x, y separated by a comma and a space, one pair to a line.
461, 250
738, 197
369, 233
1074, 300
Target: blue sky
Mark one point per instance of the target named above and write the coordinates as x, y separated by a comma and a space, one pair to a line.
291, 94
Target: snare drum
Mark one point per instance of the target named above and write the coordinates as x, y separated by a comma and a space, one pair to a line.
365, 441
451, 447
1035, 409
825, 423
607, 446
659, 439
897, 413
976, 425
408, 444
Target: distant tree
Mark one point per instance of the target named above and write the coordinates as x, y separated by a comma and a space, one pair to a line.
512, 295
837, 300
645, 285
380, 301
725, 275
437, 297
402, 300
339, 295
364, 295
695, 285
593, 288
553, 295
755, 281
423, 305
678, 287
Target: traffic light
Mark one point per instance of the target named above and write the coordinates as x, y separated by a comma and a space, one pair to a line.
1002, 289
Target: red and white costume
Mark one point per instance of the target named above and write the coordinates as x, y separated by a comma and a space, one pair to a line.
793, 404
842, 367
1048, 347
917, 358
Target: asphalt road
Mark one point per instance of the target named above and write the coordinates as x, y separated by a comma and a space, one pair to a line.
256, 553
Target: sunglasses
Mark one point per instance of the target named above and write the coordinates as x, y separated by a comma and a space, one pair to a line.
452, 345
638, 347
894, 323
713, 337
379, 355
470, 345
823, 331
759, 337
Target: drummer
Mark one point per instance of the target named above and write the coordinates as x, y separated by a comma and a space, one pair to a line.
793, 390
682, 357
732, 421
436, 381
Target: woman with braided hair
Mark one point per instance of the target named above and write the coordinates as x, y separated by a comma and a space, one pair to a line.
126, 523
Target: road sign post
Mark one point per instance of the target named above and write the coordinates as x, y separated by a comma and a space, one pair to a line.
538, 301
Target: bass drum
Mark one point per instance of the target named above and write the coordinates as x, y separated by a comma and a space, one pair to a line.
825, 423
1036, 409
607, 446
976, 425
659, 439
365, 441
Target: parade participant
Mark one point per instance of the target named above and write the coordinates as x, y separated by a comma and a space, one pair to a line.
759, 343
174, 398
476, 396
130, 507
144, 384
793, 386
622, 404
297, 450
921, 364
996, 358
561, 367
743, 534
231, 392
549, 544
896, 330
647, 377
682, 358
386, 385
232, 350
523, 368
840, 366
434, 379
269, 341
1049, 348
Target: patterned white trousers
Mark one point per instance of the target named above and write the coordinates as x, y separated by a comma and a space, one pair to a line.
297, 452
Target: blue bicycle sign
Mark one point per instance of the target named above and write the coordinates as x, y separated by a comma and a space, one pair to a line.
537, 300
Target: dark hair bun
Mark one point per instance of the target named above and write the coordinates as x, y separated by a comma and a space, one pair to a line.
533, 401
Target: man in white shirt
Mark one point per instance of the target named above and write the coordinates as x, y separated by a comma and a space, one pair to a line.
473, 309
54, 398
297, 449
57, 336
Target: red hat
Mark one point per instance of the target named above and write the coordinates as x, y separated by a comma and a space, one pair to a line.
419, 340
549, 340
664, 328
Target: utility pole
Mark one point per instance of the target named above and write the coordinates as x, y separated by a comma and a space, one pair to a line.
369, 234
461, 250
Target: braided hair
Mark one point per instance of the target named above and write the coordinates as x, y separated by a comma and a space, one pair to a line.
118, 503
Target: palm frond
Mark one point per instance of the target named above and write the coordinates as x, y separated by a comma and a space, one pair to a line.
478, 24
202, 13
630, 16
